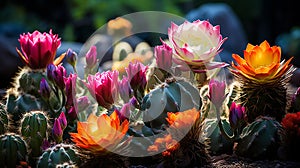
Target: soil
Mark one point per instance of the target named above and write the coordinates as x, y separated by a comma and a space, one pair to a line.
232, 161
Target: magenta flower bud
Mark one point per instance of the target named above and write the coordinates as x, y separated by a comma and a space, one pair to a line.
45, 89
217, 92
38, 49
71, 57
63, 120
91, 57
236, 114
50, 71
136, 74
72, 113
45, 145
125, 89
58, 76
70, 83
163, 55
57, 132
104, 87
82, 103
124, 112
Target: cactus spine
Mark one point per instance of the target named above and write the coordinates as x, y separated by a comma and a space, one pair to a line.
13, 150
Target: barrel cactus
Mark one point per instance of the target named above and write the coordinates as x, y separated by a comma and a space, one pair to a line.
33, 128
13, 150
260, 139
57, 155
172, 96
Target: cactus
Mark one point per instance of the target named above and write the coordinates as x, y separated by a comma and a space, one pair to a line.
171, 96
260, 139
17, 105
218, 143
13, 150
3, 119
59, 154
33, 128
66, 165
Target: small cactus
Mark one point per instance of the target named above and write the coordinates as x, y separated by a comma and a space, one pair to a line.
33, 128
260, 139
13, 150
218, 143
59, 154
3, 119
171, 96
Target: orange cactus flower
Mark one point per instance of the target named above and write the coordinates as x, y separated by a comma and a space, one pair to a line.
166, 144
100, 134
183, 119
261, 63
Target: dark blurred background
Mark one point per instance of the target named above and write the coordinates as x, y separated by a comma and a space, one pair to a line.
75, 20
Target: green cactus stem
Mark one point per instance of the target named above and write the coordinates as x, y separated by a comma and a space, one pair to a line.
33, 128
260, 139
3, 119
13, 150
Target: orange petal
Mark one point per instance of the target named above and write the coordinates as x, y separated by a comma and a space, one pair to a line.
58, 60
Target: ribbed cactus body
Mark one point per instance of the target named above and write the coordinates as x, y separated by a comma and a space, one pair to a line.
3, 119
260, 139
17, 105
33, 128
218, 143
171, 96
13, 150
59, 154
28, 81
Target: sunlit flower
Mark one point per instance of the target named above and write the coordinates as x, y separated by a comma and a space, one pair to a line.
197, 44
163, 54
261, 63
217, 93
136, 73
100, 134
183, 120
39, 50
104, 87
91, 58
166, 145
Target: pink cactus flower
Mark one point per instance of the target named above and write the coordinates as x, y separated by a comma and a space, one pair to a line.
38, 50
197, 44
62, 120
217, 93
125, 89
136, 73
91, 57
57, 131
163, 54
104, 87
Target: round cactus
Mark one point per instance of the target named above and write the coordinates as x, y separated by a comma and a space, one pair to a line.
59, 154
218, 143
260, 139
3, 119
13, 150
171, 96
34, 127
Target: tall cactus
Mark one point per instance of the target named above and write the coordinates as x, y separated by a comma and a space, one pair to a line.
13, 150
33, 128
